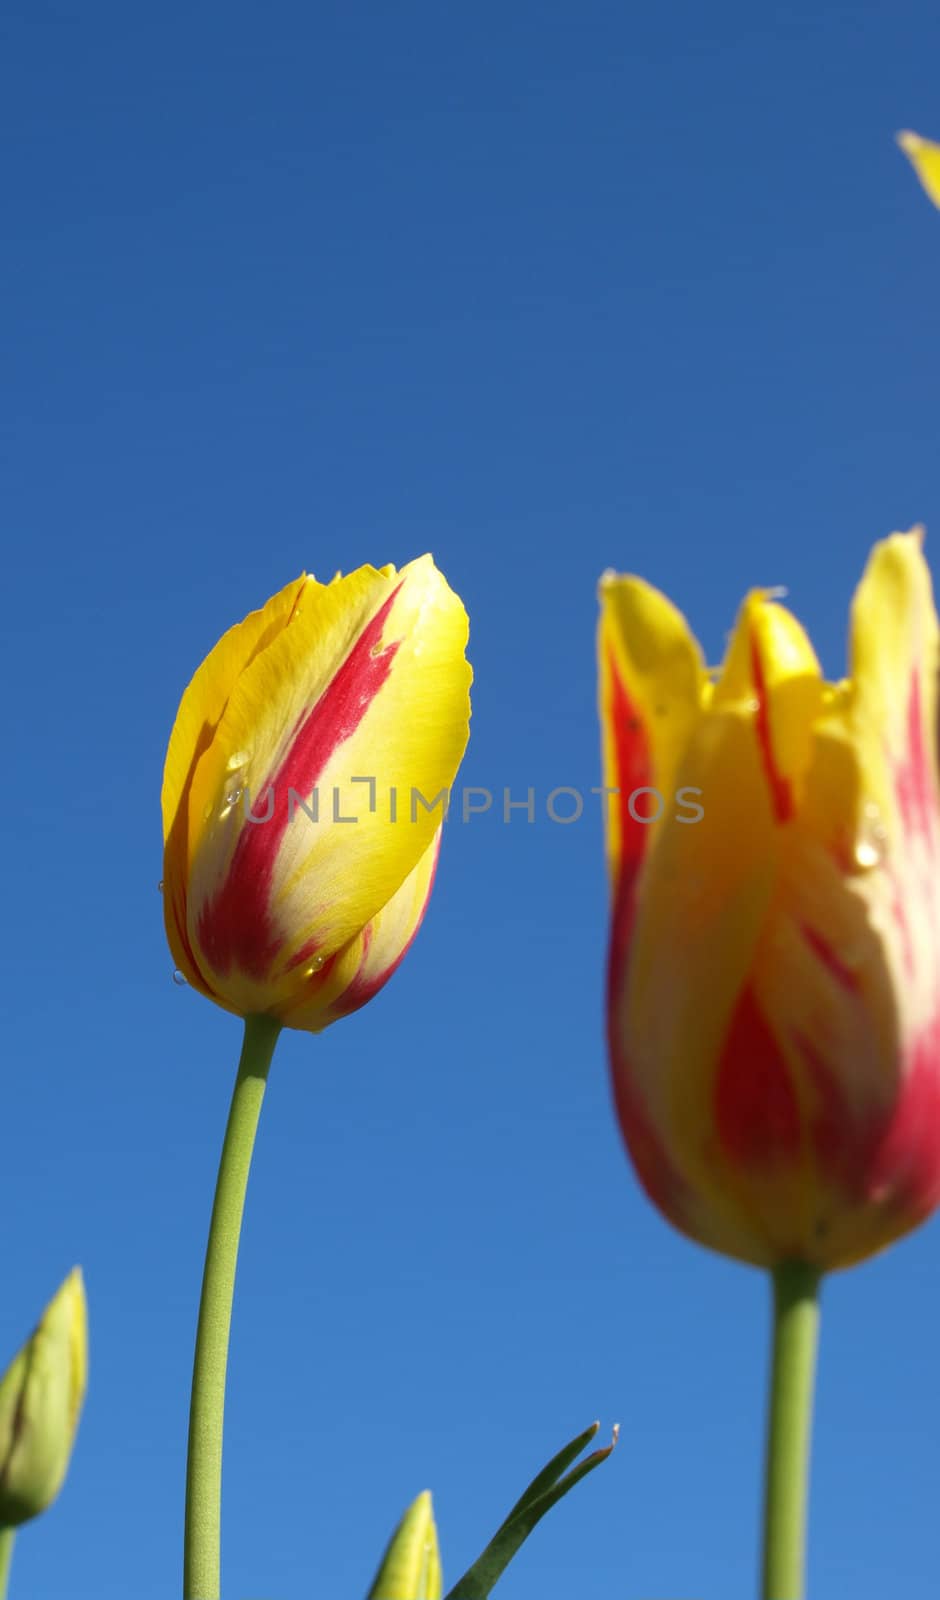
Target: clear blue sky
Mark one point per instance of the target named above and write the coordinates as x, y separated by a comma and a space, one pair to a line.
544, 289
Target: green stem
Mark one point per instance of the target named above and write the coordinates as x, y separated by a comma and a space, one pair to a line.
7, 1536
202, 1544
795, 1333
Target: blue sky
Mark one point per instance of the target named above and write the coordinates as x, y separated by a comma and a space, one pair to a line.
543, 289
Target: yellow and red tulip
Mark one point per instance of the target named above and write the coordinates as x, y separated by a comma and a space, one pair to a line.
774, 974
41, 1396
334, 701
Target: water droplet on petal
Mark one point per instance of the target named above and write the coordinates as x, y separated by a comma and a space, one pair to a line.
239, 759
233, 797
178, 978
160, 886
872, 842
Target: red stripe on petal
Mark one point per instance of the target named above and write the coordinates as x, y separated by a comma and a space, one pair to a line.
236, 928
906, 1164
757, 1113
915, 778
834, 965
633, 764
634, 770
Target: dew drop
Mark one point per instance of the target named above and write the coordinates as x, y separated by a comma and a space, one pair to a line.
160, 886
238, 760
178, 978
871, 844
233, 797
867, 854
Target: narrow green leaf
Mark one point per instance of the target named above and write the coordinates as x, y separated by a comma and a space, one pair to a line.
545, 1490
550, 1475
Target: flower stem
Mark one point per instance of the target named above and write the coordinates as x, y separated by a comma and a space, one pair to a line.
7, 1536
789, 1429
202, 1543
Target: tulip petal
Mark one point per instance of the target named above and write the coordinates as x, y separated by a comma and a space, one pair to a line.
200, 712
701, 904
771, 668
690, 888
356, 973
652, 680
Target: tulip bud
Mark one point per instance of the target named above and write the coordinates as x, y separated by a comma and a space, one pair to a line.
41, 1396
305, 787
411, 1568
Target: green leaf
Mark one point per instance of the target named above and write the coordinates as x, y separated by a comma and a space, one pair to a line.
543, 1492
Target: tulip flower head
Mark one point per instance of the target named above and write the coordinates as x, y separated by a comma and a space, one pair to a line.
41, 1396
300, 825
774, 972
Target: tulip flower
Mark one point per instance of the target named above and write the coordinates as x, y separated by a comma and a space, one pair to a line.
301, 834
774, 970
924, 157
303, 794
41, 1396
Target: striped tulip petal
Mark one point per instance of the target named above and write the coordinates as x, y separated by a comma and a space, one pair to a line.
774, 986
351, 977
306, 780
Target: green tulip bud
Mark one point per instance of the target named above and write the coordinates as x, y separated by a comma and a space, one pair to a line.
41, 1396
411, 1568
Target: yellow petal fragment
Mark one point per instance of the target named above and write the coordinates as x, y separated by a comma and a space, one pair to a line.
924, 157
894, 647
